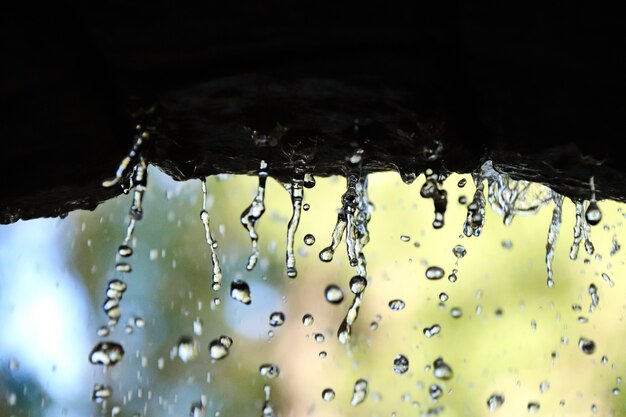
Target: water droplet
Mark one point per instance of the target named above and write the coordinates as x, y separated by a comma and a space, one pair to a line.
103, 331
593, 215
277, 319
595, 298
495, 401
431, 190
462, 183
587, 346
196, 409
333, 294
553, 234
396, 305
124, 251
434, 272
309, 239
405, 238
544, 386
106, 353
328, 394
507, 244
323, 354
269, 370
608, 280
319, 338
432, 330
360, 392
306, 206
615, 391
123, 267
443, 297
358, 284
533, 407
296, 191
462, 200
475, 219
435, 391
187, 348
400, 364
442, 370
240, 291
456, 312
101, 393
218, 348
459, 251
307, 320
197, 326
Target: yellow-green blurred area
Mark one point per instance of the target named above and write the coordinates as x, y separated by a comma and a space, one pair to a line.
514, 335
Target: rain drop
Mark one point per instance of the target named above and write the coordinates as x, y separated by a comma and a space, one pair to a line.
100, 393
218, 348
533, 407
432, 330
435, 391
124, 251
456, 312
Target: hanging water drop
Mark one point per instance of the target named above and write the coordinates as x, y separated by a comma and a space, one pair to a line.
252, 214
277, 319
593, 215
240, 291
400, 364
333, 294
106, 353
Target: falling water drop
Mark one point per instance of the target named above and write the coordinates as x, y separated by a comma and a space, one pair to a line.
216, 283
269, 370
442, 370
268, 409
101, 393
252, 214
277, 319
240, 291
106, 353
435, 391
432, 330
333, 294
431, 190
462, 183
309, 239
434, 272
459, 251
123, 267
219, 348
124, 251
187, 348
608, 279
359, 394
456, 312
595, 298
533, 407
400, 364
587, 346
495, 401
307, 320
396, 305
328, 394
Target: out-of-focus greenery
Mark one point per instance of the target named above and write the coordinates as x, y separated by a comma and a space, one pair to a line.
514, 334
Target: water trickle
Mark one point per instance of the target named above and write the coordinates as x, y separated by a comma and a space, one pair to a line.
219, 348
344, 332
400, 364
442, 370
359, 394
277, 319
309, 239
269, 370
587, 346
187, 348
595, 298
132, 156
333, 294
296, 191
476, 209
252, 214
431, 190
307, 320
328, 394
397, 304
106, 353
434, 272
216, 279
432, 330
240, 291
101, 393
495, 401
553, 234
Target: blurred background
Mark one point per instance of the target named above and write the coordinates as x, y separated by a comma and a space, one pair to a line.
504, 333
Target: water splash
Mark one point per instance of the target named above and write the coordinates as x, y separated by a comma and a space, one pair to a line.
553, 234
216, 279
510, 198
252, 214
431, 190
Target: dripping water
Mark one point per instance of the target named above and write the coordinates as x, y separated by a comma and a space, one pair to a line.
296, 191
553, 234
252, 214
216, 278
431, 190
476, 209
